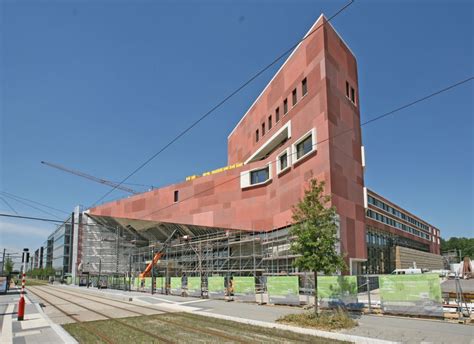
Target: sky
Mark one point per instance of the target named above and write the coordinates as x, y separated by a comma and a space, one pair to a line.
100, 86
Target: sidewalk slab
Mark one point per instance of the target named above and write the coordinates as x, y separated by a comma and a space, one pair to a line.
36, 328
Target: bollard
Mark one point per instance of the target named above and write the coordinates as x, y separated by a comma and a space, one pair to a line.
21, 308
21, 303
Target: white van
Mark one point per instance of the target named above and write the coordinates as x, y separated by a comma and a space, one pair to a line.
410, 271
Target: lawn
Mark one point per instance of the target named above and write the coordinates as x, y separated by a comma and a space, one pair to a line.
33, 282
179, 333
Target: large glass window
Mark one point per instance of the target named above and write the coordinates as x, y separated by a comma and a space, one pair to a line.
304, 147
259, 176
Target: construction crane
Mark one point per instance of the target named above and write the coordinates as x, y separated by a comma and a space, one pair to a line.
88, 176
157, 257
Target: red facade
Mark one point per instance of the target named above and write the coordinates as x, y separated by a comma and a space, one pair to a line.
329, 112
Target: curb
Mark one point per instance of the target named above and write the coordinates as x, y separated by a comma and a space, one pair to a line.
307, 331
61, 332
103, 294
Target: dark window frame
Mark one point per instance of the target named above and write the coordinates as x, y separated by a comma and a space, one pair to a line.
176, 196
281, 158
277, 115
269, 122
353, 95
304, 147
256, 136
304, 87
263, 129
260, 176
294, 97
285, 106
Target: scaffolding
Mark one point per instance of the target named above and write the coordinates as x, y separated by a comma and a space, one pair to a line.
121, 252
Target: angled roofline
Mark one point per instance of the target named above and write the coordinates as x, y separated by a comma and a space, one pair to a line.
284, 63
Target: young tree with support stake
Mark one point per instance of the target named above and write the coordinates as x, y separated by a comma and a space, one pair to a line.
315, 231
8, 266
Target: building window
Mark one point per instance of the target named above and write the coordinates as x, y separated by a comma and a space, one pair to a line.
283, 160
259, 176
263, 128
304, 87
347, 89
353, 95
256, 135
304, 147
294, 97
269, 122
285, 106
176, 195
277, 115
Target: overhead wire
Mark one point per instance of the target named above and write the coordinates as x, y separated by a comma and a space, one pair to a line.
370, 120
8, 205
31, 206
222, 102
34, 202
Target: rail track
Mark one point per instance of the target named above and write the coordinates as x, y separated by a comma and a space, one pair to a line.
89, 328
97, 299
181, 315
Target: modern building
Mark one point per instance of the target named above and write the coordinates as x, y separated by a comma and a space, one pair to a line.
396, 239
305, 124
56, 252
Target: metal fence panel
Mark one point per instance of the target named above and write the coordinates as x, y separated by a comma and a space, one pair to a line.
283, 290
418, 294
175, 286
334, 291
193, 286
244, 288
215, 287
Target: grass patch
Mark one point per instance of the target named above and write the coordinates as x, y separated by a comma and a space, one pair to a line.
178, 331
30, 282
327, 320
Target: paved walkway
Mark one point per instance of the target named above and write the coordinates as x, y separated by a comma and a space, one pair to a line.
398, 329
35, 328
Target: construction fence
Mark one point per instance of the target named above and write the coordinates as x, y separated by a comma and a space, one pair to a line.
245, 266
389, 294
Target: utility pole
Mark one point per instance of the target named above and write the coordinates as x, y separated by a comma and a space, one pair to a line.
100, 269
153, 270
3, 261
130, 272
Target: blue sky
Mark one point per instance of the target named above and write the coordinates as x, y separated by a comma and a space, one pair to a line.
99, 86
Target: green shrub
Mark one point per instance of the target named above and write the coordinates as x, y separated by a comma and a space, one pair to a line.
326, 320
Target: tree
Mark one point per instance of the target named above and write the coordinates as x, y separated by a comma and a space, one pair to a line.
8, 268
315, 231
463, 246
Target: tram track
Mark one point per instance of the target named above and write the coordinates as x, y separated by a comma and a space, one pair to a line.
207, 332
178, 314
82, 323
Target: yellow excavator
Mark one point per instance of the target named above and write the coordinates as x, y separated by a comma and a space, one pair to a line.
156, 258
